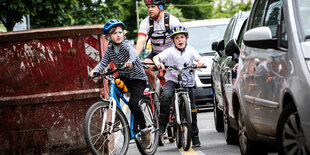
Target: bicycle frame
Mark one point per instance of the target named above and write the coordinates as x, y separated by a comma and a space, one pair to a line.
178, 92
114, 95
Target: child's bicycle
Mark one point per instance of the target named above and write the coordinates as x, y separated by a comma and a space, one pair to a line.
106, 129
179, 126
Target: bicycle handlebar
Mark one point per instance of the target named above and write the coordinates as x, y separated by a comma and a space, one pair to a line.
109, 72
186, 66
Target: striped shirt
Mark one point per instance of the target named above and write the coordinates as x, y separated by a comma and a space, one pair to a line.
126, 53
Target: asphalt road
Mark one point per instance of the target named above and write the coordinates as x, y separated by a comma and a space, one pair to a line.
212, 142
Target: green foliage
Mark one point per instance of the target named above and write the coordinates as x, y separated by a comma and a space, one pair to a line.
194, 9
56, 13
227, 8
12, 11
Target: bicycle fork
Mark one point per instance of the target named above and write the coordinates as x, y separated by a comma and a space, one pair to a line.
177, 109
177, 104
112, 106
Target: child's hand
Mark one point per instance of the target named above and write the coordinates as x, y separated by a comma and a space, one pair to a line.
91, 74
129, 65
160, 66
199, 64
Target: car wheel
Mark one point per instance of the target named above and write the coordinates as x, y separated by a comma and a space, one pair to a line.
247, 146
218, 116
290, 134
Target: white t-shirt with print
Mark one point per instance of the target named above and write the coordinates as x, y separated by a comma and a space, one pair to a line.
159, 31
172, 56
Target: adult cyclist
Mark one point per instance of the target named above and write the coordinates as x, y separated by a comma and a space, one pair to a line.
156, 27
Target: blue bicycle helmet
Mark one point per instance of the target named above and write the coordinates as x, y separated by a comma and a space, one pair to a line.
112, 23
178, 30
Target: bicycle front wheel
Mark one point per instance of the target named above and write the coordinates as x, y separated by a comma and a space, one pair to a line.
151, 119
186, 123
97, 127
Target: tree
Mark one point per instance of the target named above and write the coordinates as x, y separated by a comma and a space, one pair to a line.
12, 11
227, 8
194, 9
56, 13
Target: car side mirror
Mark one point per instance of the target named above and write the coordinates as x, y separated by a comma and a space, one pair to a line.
232, 48
260, 37
218, 46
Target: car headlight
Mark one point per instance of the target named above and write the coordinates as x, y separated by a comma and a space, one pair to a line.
308, 64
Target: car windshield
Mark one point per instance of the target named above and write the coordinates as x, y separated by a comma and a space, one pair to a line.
304, 12
202, 37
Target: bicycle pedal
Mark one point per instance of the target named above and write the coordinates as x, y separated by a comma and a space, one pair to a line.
109, 123
168, 137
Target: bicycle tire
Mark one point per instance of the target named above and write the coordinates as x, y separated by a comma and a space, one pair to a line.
100, 143
151, 119
186, 122
178, 136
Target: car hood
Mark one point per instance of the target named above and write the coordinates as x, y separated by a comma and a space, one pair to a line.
208, 61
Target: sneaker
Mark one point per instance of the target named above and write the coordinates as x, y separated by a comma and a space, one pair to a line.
196, 142
161, 141
146, 138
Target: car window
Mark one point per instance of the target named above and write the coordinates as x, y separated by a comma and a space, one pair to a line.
283, 37
304, 13
201, 38
257, 17
243, 29
273, 16
228, 30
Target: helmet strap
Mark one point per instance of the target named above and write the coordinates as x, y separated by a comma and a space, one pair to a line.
160, 10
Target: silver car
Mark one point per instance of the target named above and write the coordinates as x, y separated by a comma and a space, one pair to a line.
271, 98
219, 64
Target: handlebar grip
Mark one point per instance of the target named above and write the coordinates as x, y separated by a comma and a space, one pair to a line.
204, 66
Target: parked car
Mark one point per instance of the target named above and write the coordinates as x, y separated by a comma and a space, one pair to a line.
220, 62
271, 95
201, 34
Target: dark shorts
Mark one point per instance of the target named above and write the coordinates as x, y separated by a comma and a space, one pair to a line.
151, 55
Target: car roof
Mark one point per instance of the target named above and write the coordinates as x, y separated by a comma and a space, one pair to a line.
206, 22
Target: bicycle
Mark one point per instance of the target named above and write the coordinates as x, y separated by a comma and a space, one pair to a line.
106, 128
180, 120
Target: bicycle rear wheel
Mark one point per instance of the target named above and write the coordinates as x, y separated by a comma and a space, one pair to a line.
186, 122
99, 140
151, 119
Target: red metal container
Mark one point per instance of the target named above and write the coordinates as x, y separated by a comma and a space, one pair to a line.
44, 88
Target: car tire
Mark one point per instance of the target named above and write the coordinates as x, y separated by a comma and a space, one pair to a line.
218, 116
247, 146
230, 134
290, 142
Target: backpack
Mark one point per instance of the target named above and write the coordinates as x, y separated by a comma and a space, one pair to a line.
167, 27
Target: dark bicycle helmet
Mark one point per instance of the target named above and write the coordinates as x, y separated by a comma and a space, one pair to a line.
155, 2
112, 23
178, 30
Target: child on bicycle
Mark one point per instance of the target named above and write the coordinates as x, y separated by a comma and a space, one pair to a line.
120, 52
177, 55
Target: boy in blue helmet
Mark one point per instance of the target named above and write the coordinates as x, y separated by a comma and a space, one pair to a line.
177, 55
121, 52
